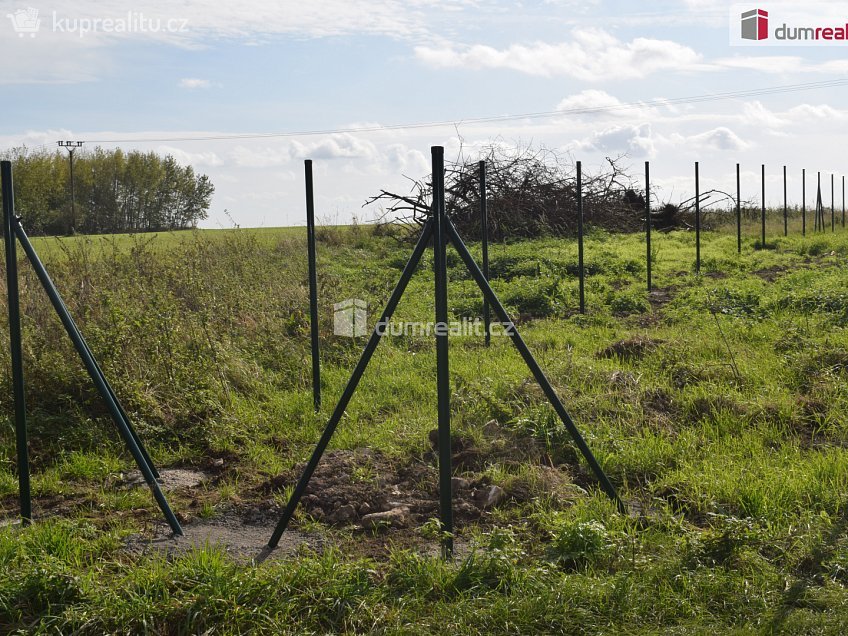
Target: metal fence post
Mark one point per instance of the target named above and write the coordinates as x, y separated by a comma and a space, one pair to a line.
484, 233
18, 387
785, 206
832, 205
697, 221
648, 220
763, 178
804, 202
738, 211
581, 273
441, 329
313, 287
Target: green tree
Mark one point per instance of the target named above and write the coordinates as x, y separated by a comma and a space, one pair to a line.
115, 191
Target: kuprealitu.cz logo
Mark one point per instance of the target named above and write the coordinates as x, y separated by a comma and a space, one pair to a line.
27, 22
784, 24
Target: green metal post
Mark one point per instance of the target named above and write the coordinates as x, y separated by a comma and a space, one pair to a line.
764, 207
581, 272
738, 211
484, 233
804, 202
697, 221
785, 206
442, 330
18, 388
648, 219
313, 288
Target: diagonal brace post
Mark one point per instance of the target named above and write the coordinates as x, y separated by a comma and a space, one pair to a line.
121, 410
534, 367
97, 377
353, 382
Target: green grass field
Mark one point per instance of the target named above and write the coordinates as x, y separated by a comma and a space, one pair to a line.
717, 405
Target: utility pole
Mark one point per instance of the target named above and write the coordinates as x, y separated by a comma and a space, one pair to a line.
71, 147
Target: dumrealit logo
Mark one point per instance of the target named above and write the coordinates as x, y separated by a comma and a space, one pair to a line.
755, 25
784, 25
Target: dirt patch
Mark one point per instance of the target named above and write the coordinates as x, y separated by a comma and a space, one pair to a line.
659, 297
630, 348
772, 273
350, 487
170, 478
244, 542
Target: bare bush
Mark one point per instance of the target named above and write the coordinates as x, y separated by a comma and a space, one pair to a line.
531, 192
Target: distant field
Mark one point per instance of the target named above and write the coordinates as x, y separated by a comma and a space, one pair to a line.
717, 405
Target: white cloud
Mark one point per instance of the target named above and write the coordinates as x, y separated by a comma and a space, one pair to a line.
339, 146
64, 55
720, 138
589, 100
805, 112
590, 55
403, 160
780, 64
597, 104
251, 156
186, 157
634, 141
192, 83
757, 114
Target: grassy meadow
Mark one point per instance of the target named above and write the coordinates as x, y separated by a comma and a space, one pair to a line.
717, 405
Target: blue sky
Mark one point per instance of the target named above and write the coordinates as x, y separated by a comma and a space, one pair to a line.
260, 67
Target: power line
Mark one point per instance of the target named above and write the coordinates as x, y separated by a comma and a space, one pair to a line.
694, 99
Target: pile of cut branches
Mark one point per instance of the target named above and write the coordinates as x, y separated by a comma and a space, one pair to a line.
531, 193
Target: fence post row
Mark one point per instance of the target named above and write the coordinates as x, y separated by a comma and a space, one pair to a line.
441, 230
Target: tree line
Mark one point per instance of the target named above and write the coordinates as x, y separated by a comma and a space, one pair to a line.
114, 191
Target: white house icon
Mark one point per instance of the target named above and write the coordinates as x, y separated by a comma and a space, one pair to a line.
350, 318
